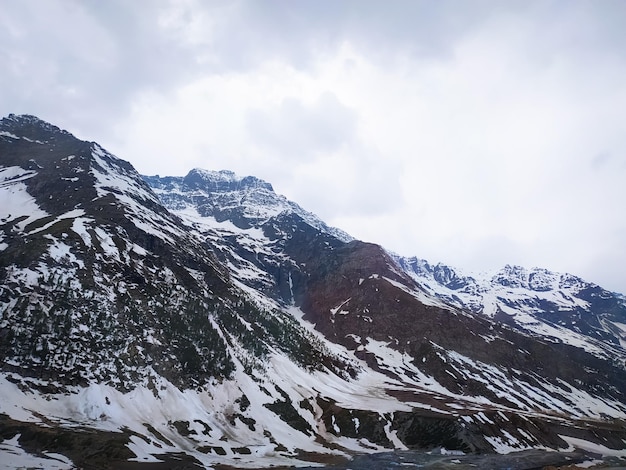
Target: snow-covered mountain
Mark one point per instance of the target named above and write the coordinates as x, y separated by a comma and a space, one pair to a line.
222, 195
556, 306
207, 320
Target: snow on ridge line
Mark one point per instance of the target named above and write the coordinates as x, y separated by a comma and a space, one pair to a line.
520, 276
219, 175
16, 137
115, 176
261, 201
524, 303
131, 192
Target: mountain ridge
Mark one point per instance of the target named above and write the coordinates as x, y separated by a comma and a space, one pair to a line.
521, 297
217, 320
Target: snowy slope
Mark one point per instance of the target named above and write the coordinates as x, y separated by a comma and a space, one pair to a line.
209, 319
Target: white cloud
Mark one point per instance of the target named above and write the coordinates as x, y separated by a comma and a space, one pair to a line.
297, 130
477, 133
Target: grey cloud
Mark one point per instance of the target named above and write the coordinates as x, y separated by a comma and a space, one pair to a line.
80, 63
83, 65
295, 130
295, 31
601, 160
607, 270
608, 162
84, 62
365, 185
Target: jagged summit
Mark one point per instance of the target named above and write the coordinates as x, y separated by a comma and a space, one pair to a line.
246, 201
209, 181
555, 305
223, 180
511, 276
31, 128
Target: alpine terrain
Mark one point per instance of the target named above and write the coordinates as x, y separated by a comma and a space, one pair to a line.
207, 321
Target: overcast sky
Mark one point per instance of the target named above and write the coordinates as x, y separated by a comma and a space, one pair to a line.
475, 133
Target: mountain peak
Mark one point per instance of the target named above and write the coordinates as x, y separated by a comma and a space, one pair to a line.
24, 118
29, 127
246, 201
223, 180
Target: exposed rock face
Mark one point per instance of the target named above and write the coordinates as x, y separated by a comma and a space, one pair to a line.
209, 316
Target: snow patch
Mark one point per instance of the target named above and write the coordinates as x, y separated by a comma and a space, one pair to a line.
15, 201
576, 443
13, 456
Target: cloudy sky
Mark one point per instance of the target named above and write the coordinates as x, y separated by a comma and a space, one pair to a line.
475, 133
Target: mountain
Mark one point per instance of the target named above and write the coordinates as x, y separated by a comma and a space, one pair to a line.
224, 196
558, 307
206, 320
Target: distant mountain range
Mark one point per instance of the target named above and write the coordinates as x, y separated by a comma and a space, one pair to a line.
207, 320
558, 307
